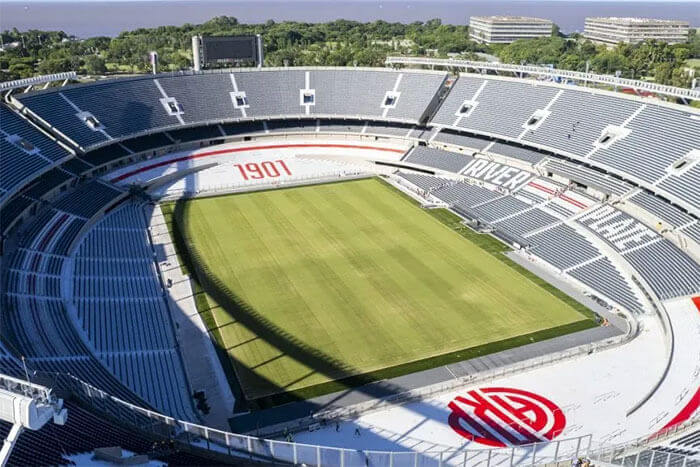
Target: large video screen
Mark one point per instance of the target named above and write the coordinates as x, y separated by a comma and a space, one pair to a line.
229, 49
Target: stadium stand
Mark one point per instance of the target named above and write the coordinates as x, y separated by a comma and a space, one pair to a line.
15, 126
619, 230
539, 190
31, 194
528, 221
646, 142
46, 182
235, 129
659, 137
120, 306
341, 126
127, 107
563, 247
564, 210
494, 97
569, 251
588, 177
448, 136
425, 182
25, 152
76, 166
578, 120
88, 199
389, 129
195, 134
272, 94
36, 317
517, 152
148, 142
669, 272
207, 97
500, 208
9, 365
365, 91
13, 209
689, 441
114, 331
292, 126
106, 154
531, 196
502, 106
693, 231
685, 185
601, 275
437, 158
462, 90
662, 455
83, 432
664, 211
465, 195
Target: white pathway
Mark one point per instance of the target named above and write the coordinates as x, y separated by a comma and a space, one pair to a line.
202, 365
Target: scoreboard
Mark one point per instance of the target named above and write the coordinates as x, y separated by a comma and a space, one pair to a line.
213, 51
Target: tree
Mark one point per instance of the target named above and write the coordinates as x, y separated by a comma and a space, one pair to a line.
181, 61
543, 50
680, 78
694, 42
340, 42
222, 22
54, 65
95, 65
663, 73
609, 62
20, 70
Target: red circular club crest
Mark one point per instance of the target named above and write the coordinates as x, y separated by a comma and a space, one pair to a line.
501, 417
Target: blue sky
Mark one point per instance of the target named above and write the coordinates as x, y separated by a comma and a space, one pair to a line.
372, 1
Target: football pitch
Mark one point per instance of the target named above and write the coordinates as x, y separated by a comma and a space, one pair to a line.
310, 288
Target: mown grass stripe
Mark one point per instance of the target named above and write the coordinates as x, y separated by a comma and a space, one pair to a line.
364, 280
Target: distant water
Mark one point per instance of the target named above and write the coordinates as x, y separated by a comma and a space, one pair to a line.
86, 19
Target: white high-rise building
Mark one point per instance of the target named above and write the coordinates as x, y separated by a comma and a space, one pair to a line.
612, 30
507, 29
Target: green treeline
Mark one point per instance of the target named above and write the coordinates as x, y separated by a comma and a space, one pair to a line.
336, 43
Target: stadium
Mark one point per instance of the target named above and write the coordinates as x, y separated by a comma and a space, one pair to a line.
438, 262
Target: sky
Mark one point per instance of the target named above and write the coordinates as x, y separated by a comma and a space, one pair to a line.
368, 1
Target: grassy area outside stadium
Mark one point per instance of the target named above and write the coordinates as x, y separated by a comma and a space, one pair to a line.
313, 289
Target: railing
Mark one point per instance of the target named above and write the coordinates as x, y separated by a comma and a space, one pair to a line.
26, 388
298, 453
45, 79
653, 458
549, 72
258, 449
641, 451
216, 190
267, 450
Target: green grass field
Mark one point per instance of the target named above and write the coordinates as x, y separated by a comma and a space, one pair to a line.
306, 287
